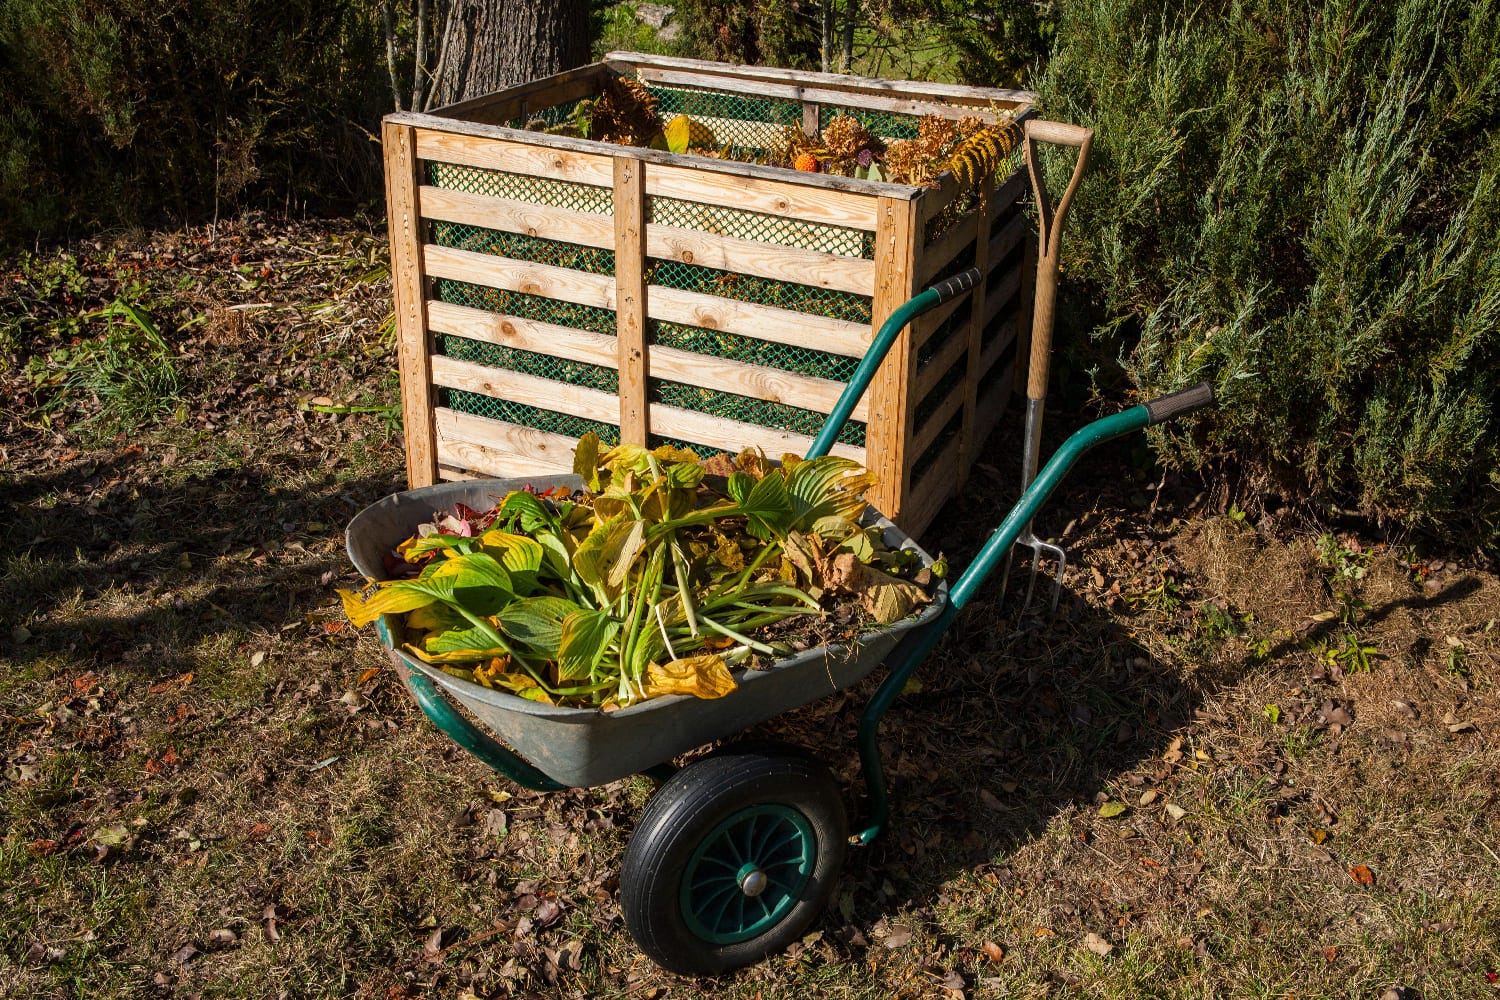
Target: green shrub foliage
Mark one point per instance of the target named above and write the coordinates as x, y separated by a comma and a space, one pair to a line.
129, 111
1301, 202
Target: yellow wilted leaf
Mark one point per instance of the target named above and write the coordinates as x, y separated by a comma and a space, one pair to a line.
683, 133
700, 676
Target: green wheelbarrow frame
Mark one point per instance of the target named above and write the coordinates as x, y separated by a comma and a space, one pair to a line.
690, 926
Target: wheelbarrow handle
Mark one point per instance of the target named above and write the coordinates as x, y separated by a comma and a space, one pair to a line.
917, 644
880, 346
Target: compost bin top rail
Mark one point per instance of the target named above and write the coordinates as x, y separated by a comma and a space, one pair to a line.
946, 93
597, 148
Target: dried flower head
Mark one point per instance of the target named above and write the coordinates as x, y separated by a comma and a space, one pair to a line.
935, 132
806, 162
845, 136
865, 157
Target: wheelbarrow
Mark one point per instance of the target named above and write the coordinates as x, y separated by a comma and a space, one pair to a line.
738, 852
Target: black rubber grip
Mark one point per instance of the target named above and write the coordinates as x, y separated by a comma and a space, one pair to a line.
956, 285
1177, 403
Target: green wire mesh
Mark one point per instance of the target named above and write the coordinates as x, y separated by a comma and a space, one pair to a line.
516, 246
523, 187
760, 412
761, 227
528, 363
545, 118
743, 123
827, 302
533, 307
751, 351
527, 416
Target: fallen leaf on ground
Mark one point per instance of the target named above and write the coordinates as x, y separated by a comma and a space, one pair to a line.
1362, 875
899, 937
1097, 944
1111, 809
992, 951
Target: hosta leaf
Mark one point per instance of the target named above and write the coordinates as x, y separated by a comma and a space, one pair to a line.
701, 676
586, 460
592, 562
828, 486
517, 553
586, 636
885, 597
532, 511
537, 622
390, 598
475, 582
451, 544
435, 617
768, 507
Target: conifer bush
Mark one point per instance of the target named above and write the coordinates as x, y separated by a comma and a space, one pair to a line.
1301, 202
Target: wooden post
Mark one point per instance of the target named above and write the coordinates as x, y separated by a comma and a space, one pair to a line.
812, 118
889, 428
630, 297
974, 330
409, 290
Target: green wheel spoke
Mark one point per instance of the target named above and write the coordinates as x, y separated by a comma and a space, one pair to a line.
768, 838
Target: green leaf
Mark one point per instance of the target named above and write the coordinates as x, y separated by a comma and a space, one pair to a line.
586, 460
437, 542
1111, 809
536, 622
532, 511
475, 582
586, 636
767, 505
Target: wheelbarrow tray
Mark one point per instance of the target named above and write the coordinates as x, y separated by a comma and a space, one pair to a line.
580, 747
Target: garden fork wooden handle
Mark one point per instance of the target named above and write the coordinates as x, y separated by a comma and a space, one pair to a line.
1049, 239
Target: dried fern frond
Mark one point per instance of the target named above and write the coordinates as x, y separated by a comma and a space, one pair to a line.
982, 152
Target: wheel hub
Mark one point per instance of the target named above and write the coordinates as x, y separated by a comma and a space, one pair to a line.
753, 881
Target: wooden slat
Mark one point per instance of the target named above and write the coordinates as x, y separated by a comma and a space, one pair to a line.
705, 371
513, 156
765, 260
839, 82
938, 484
1010, 191
499, 448
407, 281
1001, 296
996, 347
937, 421
937, 369
993, 404
630, 297
522, 334
934, 199
783, 193
889, 427
781, 326
451, 474
940, 252
924, 326
734, 435
754, 381
812, 118
973, 333
520, 276
588, 228
530, 390
804, 92
513, 102
1006, 239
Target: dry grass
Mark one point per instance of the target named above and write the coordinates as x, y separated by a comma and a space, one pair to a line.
214, 789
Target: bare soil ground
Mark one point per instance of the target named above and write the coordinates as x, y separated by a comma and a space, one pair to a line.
1251, 756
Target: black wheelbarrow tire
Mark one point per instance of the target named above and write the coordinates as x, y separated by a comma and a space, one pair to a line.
734, 857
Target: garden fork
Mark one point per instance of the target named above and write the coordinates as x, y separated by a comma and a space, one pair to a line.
1049, 242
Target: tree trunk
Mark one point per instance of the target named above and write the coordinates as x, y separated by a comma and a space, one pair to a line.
494, 44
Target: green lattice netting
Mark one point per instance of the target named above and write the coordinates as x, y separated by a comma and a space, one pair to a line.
760, 226
523, 187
